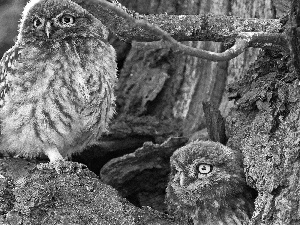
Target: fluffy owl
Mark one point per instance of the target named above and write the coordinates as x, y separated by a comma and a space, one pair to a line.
57, 81
207, 185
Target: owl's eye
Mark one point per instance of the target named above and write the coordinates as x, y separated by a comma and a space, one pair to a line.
37, 22
204, 168
67, 20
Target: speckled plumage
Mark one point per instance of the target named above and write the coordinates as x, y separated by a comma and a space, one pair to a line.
56, 82
207, 185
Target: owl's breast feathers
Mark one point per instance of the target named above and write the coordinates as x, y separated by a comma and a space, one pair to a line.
60, 97
232, 210
235, 211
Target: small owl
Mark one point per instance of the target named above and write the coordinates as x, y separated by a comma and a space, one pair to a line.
207, 185
56, 82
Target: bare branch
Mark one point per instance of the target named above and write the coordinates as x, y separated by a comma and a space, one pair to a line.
234, 51
243, 39
181, 27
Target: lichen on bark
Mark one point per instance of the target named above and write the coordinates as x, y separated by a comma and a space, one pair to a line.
42, 196
265, 127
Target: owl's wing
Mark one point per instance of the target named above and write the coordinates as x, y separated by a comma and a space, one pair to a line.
6, 66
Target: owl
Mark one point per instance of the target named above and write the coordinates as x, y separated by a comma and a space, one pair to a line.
56, 82
207, 185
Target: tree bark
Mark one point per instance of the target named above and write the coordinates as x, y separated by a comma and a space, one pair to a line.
239, 65
265, 127
166, 85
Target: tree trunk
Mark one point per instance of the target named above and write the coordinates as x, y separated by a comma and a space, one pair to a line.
239, 65
265, 127
167, 85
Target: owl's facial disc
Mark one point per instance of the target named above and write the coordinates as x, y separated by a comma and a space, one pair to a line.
50, 26
48, 22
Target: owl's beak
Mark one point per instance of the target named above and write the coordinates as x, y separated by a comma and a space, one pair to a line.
48, 28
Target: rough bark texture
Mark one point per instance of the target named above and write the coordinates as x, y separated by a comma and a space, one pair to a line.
265, 127
239, 65
41, 196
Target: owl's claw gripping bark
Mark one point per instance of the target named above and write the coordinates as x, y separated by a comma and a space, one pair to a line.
62, 166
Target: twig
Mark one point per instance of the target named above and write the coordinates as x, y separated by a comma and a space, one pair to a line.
243, 40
